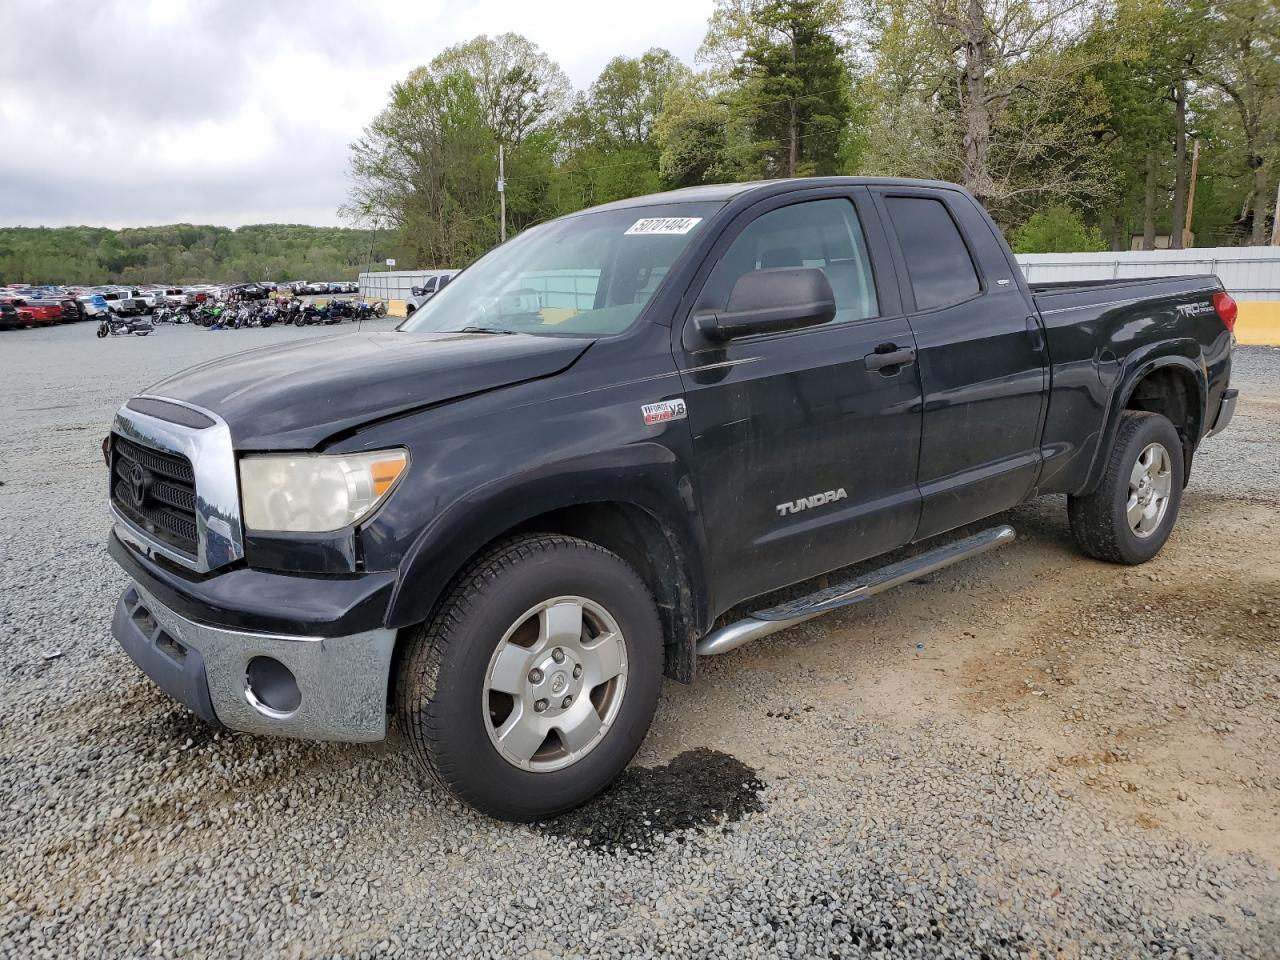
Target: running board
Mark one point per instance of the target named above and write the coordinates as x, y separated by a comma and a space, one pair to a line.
764, 622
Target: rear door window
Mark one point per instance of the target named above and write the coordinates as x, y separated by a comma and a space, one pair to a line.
938, 262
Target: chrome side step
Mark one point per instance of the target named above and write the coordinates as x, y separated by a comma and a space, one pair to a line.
764, 622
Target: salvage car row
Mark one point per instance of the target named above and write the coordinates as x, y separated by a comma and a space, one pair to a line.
32, 306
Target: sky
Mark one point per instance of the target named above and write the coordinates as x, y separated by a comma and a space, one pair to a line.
131, 112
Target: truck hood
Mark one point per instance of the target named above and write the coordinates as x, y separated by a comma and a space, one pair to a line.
295, 396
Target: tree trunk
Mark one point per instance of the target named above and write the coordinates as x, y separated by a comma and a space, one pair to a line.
1258, 236
977, 136
1180, 166
1149, 206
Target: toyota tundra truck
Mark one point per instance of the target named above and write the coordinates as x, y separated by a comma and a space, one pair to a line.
500, 525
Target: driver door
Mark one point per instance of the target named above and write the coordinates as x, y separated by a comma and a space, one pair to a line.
806, 446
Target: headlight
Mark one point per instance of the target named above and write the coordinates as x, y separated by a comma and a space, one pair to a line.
315, 493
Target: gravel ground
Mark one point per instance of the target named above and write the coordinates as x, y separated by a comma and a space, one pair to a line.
1031, 755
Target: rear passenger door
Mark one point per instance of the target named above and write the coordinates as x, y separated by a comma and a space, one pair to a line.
982, 360
806, 442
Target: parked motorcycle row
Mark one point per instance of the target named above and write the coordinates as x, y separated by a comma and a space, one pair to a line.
237, 314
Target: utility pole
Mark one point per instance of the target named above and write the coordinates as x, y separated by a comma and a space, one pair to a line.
1275, 220
1191, 194
502, 196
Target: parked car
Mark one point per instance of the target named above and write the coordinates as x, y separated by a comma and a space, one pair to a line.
42, 313
248, 291
512, 515
126, 303
93, 305
12, 317
429, 287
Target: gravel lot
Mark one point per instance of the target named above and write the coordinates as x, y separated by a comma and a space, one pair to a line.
1032, 755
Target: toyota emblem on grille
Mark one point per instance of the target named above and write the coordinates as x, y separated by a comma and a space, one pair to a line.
139, 484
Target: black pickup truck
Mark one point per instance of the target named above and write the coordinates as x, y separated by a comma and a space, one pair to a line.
505, 521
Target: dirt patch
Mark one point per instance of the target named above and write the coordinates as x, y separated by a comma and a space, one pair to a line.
697, 789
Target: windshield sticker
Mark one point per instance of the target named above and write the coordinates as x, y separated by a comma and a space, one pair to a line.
659, 226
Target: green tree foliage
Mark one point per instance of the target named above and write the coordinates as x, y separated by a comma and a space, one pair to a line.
185, 253
792, 84
993, 94
609, 136
520, 89
1241, 60
1056, 229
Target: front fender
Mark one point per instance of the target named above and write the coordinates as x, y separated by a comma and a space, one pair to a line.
646, 475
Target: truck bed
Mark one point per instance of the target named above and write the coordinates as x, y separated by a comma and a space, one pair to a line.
1078, 294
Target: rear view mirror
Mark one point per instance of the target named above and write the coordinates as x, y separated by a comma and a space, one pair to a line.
771, 301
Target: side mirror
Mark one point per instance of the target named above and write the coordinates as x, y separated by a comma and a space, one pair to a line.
771, 301
417, 291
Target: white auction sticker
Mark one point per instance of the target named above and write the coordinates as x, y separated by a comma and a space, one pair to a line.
656, 226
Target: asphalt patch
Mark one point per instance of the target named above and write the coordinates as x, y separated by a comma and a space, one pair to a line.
698, 788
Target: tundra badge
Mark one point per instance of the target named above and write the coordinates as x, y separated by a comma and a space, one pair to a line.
817, 500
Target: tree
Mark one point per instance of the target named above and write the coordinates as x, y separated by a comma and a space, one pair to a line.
426, 165
701, 140
624, 103
520, 88
1242, 59
183, 253
992, 93
611, 150
1056, 229
792, 85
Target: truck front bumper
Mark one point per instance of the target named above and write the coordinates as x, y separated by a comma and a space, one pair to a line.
318, 688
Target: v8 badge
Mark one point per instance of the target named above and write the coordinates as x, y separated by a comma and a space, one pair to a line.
664, 411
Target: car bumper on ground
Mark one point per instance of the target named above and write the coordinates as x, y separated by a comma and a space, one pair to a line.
317, 688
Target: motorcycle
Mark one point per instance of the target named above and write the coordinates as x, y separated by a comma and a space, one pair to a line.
310, 314
114, 326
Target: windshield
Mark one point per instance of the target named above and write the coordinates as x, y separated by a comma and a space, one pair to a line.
589, 275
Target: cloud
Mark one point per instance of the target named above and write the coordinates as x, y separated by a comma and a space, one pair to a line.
128, 112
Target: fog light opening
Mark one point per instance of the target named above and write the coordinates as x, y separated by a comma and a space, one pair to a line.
271, 688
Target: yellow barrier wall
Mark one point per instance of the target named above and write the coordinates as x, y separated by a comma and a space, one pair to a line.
1258, 323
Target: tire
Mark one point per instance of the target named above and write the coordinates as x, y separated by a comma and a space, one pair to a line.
1101, 522
453, 720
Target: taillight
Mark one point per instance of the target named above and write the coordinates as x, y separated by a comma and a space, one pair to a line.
1226, 308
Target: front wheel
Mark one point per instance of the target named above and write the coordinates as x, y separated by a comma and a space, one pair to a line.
1131, 514
537, 679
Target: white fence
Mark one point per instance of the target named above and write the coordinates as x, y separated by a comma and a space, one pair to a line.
1248, 273
392, 284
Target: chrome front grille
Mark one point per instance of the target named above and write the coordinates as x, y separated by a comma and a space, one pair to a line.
173, 484
156, 490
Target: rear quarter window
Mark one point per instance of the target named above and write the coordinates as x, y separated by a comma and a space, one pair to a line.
939, 266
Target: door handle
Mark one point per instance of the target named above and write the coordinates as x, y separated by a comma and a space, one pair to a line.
889, 357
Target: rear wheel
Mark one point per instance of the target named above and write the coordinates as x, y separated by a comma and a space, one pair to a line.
537, 679
1131, 514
